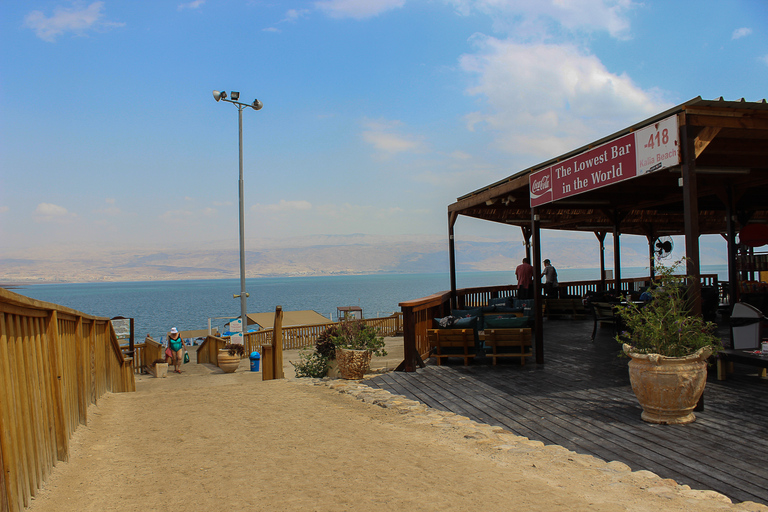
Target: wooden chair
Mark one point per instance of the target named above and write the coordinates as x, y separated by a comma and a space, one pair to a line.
500, 340
604, 312
452, 343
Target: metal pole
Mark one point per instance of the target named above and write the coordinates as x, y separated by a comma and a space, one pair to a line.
243, 296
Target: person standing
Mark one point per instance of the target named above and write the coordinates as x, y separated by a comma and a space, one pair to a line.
524, 273
175, 343
550, 280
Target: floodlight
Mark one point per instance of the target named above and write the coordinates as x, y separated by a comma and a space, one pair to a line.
257, 105
219, 95
234, 95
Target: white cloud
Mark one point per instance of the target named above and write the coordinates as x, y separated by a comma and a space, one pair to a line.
530, 19
284, 206
47, 212
77, 20
296, 14
383, 136
4, 209
196, 4
741, 32
357, 9
544, 100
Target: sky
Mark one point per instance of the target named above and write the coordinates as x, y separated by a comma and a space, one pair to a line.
377, 113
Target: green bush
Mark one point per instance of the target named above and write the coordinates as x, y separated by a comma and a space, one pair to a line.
311, 364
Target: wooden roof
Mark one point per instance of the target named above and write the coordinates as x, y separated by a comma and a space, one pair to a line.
731, 146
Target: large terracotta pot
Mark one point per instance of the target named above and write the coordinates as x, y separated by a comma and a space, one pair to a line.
353, 364
227, 362
668, 388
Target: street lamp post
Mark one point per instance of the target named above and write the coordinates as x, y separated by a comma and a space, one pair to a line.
256, 105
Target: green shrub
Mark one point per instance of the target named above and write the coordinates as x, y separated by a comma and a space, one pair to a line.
665, 325
311, 364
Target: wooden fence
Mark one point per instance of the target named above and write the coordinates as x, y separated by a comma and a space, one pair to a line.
54, 362
144, 354
294, 337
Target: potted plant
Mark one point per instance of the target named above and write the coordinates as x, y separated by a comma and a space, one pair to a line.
229, 357
669, 348
355, 344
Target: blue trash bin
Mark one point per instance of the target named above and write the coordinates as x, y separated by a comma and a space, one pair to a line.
255, 358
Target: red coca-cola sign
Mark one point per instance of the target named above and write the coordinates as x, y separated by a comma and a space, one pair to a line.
649, 149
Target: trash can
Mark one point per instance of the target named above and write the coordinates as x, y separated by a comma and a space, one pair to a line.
255, 358
746, 326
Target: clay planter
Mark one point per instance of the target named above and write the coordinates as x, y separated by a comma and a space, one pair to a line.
227, 362
353, 364
668, 388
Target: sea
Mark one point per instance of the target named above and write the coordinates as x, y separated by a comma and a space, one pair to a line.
156, 306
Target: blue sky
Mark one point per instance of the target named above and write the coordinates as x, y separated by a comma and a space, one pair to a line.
377, 113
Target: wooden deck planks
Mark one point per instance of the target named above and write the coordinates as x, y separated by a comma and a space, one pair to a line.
581, 399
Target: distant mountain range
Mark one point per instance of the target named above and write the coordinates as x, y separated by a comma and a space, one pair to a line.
314, 255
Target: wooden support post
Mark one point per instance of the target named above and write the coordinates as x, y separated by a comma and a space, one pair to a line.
277, 344
691, 214
539, 318
601, 238
452, 257
527, 237
267, 363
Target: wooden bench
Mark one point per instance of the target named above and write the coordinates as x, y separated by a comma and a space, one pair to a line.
503, 339
573, 307
459, 342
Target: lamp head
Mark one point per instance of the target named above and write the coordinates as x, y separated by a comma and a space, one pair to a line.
234, 95
257, 105
219, 95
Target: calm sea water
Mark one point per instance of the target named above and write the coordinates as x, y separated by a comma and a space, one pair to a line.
157, 306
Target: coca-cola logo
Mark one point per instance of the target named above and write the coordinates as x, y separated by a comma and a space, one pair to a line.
540, 185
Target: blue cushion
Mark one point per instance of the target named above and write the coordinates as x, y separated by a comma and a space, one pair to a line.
469, 322
504, 309
466, 313
500, 301
505, 322
523, 303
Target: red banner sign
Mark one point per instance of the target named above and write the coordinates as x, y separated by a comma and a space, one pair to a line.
650, 149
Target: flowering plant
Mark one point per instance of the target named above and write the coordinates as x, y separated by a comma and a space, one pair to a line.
665, 325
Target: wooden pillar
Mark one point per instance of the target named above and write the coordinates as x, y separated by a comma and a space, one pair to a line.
733, 275
539, 319
410, 354
267, 363
601, 238
452, 256
277, 344
527, 237
616, 255
691, 214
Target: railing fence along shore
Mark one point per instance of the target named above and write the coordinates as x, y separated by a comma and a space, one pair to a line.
418, 314
54, 363
293, 337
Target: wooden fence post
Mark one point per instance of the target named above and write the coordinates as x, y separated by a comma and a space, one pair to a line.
267, 363
277, 344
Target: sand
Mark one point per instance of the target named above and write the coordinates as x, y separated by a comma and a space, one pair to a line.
204, 440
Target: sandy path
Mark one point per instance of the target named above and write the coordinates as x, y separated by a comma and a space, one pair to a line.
205, 440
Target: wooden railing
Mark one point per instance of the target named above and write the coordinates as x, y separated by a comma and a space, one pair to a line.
418, 314
144, 354
54, 362
294, 337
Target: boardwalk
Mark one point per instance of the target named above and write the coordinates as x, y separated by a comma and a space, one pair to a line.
581, 399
